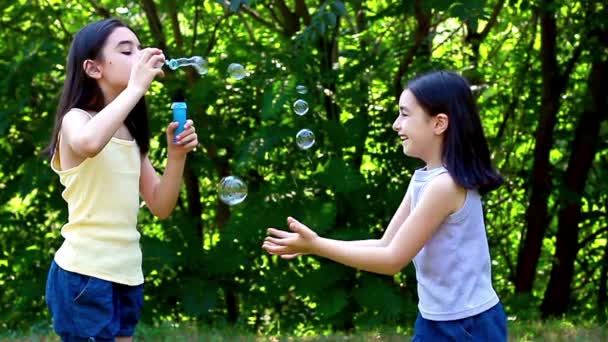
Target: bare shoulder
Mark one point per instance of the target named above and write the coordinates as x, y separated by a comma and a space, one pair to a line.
445, 188
78, 114
74, 119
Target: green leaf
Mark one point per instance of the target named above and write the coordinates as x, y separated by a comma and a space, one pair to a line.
341, 177
198, 295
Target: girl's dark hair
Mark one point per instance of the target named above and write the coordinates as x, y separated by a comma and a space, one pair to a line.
465, 149
81, 91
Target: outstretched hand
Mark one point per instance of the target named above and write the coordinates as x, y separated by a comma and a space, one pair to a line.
288, 245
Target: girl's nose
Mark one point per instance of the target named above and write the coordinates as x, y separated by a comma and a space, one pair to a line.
396, 126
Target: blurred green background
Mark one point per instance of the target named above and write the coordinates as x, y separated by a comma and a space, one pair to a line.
537, 67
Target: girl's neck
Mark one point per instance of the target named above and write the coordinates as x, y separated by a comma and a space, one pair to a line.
109, 94
432, 166
434, 161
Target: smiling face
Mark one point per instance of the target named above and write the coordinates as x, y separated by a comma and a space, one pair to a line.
421, 134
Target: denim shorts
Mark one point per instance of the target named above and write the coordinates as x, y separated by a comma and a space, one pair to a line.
490, 325
86, 308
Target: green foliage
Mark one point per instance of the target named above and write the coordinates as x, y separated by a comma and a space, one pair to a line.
347, 186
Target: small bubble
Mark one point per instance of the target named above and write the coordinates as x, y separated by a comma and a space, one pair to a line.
305, 139
300, 107
232, 190
236, 71
301, 89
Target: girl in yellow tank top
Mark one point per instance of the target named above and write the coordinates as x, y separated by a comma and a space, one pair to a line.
99, 149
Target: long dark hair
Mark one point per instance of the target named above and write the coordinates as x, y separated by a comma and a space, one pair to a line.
465, 150
81, 91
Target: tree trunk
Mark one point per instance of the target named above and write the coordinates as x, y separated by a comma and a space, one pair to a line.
584, 148
474, 40
193, 196
363, 105
328, 54
537, 213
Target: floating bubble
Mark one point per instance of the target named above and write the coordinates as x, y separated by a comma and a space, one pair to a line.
300, 107
236, 71
232, 190
197, 62
301, 89
305, 139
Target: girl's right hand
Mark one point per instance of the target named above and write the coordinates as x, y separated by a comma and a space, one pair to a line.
146, 69
288, 245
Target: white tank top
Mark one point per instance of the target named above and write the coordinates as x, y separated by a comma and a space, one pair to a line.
453, 269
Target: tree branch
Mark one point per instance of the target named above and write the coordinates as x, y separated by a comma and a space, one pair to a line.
520, 77
302, 11
248, 28
67, 33
213, 39
275, 16
422, 32
447, 39
102, 11
576, 54
177, 33
493, 19
290, 22
592, 237
155, 26
257, 17
195, 27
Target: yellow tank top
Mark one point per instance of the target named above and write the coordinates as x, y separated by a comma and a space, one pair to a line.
102, 193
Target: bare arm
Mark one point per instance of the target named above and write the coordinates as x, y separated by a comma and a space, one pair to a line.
414, 232
87, 137
161, 193
398, 218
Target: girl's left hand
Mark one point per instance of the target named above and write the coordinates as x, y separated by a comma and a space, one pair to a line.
186, 140
289, 245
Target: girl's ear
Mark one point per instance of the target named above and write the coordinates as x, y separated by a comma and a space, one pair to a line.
440, 123
92, 69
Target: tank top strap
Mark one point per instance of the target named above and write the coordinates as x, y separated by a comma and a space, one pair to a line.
55, 157
421, 178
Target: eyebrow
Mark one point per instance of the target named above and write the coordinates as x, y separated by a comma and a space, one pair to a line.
404, 108
126, 42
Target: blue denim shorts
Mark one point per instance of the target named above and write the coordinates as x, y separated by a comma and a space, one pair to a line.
490, 325
86, 308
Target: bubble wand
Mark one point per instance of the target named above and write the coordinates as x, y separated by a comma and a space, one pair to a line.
197, 62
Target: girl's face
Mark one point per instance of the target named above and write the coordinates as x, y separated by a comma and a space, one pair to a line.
119, 53
421, 134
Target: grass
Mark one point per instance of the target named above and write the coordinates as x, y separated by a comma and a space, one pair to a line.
557, 330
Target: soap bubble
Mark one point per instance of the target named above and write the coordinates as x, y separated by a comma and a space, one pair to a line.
305, 139
236, 71
232, 190
300, 107
301, 89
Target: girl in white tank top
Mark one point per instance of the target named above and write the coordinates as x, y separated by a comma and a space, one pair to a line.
439, 224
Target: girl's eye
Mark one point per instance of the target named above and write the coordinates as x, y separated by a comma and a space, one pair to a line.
126, 53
